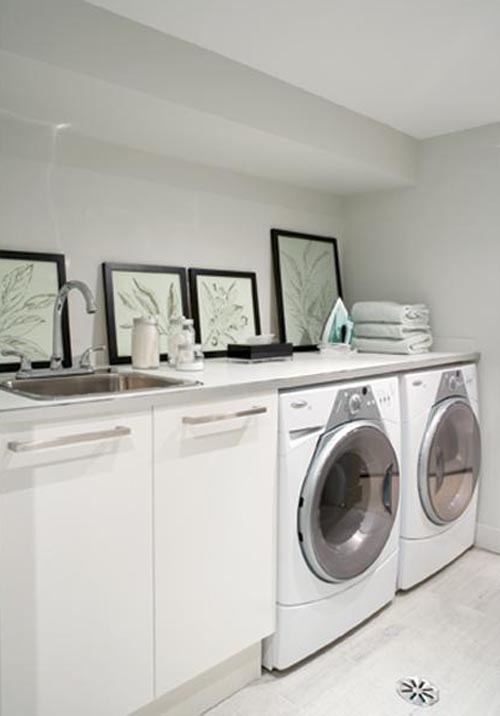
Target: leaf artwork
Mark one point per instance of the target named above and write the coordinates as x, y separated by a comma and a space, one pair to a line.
21, 312
226, 316
142, 300
308, 293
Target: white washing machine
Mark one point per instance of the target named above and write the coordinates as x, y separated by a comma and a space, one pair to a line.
441, 452
338, 526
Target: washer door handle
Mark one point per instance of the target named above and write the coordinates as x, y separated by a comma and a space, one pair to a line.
387, 489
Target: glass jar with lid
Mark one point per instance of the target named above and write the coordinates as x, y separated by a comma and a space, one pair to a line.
185, 346
188, 336
190, 357
174, 338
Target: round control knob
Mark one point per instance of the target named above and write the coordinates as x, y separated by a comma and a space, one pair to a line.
354, 404
452, 383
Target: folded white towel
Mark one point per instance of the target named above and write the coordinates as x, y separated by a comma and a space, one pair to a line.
418, 343
389, 312
389, 330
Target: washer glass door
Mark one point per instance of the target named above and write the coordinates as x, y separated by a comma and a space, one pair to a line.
449, 461
349, 501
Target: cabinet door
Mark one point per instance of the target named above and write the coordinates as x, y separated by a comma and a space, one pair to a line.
76, 588
215, 480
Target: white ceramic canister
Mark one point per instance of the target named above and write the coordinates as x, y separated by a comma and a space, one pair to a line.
145, 343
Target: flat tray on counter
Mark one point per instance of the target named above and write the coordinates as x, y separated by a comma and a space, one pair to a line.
266, 351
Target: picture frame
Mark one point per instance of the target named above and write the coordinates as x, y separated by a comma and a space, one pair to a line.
132, 290
307, 281
29, 284
225, 308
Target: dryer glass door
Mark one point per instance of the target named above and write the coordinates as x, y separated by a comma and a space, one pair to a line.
349, 501
449, 461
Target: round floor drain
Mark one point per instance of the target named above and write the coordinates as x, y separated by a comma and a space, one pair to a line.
418, 691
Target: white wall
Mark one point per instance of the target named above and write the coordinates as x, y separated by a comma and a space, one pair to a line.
96, 202
440, 243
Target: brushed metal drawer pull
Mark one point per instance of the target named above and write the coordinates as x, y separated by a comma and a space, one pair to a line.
217, 418
119, 432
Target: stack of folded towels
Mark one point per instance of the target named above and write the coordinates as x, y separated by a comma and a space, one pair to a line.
386, 327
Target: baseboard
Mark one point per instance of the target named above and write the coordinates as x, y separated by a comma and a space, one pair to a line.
210, 688
488, 538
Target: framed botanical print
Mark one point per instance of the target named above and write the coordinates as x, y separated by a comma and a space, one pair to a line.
134, 290
307, 278
225, 308
29, 283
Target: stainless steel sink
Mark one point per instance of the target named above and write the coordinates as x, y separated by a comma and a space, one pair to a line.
99, 383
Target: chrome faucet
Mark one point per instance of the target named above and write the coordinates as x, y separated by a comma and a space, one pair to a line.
90, 305
85, 365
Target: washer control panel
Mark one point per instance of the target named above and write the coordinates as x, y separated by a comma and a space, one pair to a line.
354, 403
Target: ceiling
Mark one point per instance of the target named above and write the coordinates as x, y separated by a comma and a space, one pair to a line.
113, 80
424, 67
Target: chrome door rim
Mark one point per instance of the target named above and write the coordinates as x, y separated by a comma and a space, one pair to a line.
309, 489
423, 459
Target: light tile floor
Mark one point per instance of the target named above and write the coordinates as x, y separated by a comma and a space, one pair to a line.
447, 630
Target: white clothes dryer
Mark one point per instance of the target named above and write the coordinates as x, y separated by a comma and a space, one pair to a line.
441, 453
338, 524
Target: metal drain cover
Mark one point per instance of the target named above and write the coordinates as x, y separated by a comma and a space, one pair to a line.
418, 691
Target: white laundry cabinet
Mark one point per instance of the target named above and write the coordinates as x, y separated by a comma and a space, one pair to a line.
214, 486
76, 587
135, 547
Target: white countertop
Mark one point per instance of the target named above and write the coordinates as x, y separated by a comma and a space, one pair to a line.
221, 377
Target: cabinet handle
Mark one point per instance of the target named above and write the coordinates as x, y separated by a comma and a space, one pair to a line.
217, 418
119, 432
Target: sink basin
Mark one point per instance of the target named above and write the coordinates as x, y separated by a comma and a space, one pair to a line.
99, 383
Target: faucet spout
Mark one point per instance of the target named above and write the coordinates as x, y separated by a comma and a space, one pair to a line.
90, 304
62, 296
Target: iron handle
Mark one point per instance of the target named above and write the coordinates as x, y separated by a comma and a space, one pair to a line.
387, 489
219, 417
67, 440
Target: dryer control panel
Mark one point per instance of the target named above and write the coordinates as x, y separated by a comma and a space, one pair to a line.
451, 384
